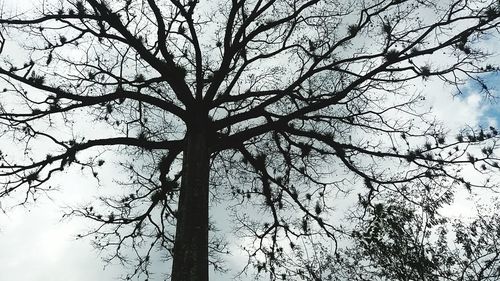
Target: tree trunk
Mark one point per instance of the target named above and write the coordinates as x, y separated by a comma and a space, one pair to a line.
190, 261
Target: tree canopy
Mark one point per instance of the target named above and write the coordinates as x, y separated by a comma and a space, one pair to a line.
302, 119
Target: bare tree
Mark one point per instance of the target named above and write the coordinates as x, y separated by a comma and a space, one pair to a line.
275, 106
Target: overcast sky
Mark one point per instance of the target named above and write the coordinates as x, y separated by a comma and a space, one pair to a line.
36, 246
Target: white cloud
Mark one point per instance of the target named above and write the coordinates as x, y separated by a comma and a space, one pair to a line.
35, 246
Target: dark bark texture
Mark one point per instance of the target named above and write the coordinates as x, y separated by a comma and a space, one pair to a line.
190, 261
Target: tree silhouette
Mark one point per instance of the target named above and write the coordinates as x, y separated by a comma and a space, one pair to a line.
273, 109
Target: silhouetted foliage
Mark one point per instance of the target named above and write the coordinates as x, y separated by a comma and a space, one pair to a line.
281, 112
